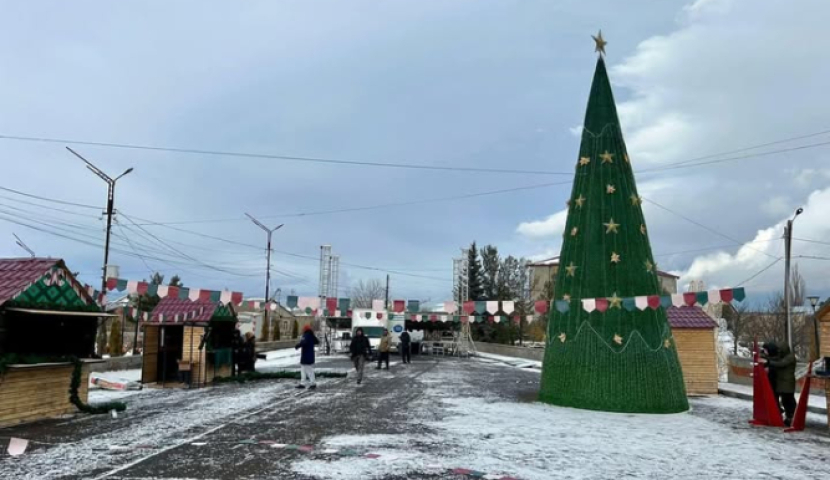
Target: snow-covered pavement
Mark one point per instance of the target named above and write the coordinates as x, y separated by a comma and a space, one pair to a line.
437, 418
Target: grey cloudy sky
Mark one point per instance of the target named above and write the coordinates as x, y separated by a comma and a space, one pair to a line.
492, 84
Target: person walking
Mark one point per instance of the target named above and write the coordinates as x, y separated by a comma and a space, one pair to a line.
406, 347
783, 366
360, 350
383, 349
307, 343
248, 353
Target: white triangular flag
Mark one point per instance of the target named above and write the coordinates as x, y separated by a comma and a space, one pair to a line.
377, 305
677, 300
194, 294
225, 297
714, 296
589, 304
507, 307
17, 446
641, 302
162, 291
492, 307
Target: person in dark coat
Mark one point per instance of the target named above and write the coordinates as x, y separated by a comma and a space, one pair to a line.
307, 343
783, 365
360, 350
248, 353
236, 352
406, 347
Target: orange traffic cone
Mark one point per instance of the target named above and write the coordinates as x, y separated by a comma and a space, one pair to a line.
800, 416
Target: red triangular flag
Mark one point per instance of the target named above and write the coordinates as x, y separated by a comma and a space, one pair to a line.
469, 307
236, 297
399, 306
141, 288
112, 283
726, 295
690, 298
602, 304
654, 302
204, 295
541, 306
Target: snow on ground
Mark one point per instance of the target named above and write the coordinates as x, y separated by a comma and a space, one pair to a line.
534, 441
203, 409
512, 361
816, 401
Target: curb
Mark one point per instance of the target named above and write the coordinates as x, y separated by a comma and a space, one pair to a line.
746, 396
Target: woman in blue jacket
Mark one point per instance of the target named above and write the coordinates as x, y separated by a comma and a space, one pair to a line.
307, 343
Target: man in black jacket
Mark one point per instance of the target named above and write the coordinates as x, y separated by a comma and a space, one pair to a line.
360, 350
406, 347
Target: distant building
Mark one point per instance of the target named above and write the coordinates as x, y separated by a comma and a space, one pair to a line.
542, 275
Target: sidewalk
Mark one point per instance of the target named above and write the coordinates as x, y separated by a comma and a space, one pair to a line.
818, 404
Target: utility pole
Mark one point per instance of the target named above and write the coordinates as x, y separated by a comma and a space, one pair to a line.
386, 303
269, 231
110, 210
788, 239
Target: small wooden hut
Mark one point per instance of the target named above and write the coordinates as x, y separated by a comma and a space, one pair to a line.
695, 336
823, 317
188, 342
47, 319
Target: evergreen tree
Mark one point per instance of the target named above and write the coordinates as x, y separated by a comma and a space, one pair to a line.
116, 346
621, 359
490, 272
474, 274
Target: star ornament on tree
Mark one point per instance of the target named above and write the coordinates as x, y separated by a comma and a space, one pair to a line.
599, 43
580, 200
635, 200
562, 337
566, 297
574, 231
610, 189
615, 301
643, 228
571, 269
667, 343
611, 226
584, 161
615, 257
649, 266
618, 339
607, 157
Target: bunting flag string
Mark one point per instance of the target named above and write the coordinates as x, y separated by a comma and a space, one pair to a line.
166, 291
653, 302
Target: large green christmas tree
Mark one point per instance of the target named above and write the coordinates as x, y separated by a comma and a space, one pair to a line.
622, 359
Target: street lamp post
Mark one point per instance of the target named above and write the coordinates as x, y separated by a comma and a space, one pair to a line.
269, 231
814, 303
788, 238
110, 210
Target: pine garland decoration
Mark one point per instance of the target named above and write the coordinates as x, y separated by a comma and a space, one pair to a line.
85, 407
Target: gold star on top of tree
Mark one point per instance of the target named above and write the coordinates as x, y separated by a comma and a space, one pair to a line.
649, 266
618, 339
643, 228
615, 301
615, 257
584, 161
579, 201
610, 189
599, 43
635, 200
611, 226
574, 231
571, 269
562, 337
607, 157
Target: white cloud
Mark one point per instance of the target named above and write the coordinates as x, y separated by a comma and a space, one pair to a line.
552, 226
777, 206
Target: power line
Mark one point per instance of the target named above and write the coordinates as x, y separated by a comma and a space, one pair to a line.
371, 207
708, 229
744, 149
193, 151
30, 195
759, 272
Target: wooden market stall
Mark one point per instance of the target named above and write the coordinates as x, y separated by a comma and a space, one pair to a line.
823, 317
188, 342
695, 336
47, 321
